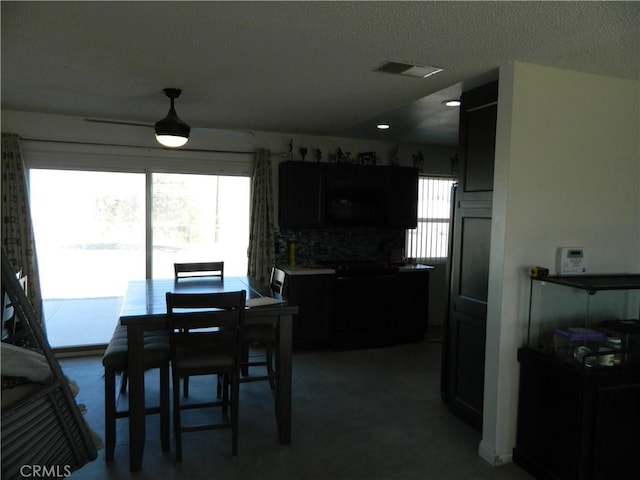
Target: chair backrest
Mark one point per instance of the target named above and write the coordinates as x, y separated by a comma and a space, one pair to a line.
199, 269
205, 319
276, 283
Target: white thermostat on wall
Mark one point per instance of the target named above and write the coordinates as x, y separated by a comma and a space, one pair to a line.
571, 261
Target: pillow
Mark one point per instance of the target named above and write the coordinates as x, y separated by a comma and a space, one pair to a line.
23, 362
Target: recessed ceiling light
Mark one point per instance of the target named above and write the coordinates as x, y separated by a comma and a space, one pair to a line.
452, 103
383, 126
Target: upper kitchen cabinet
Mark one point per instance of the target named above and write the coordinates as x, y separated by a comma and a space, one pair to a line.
351, 177
478, 141
402, 205
301, 195
345, 195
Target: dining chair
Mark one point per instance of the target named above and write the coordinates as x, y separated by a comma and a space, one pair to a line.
205, 339
199, 269
191, 270
115, 361
264, 335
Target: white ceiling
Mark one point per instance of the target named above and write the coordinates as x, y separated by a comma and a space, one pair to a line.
296, 67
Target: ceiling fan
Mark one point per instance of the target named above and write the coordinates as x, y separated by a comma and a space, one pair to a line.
171, 131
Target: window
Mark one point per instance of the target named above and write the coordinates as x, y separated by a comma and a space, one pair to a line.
91, 235
429, 242
200, 218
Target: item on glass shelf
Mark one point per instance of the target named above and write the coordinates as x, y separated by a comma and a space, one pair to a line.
605, 357
628, 331
567, 339
615, 345
584, 355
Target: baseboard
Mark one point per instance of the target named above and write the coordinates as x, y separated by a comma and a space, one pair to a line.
488, 454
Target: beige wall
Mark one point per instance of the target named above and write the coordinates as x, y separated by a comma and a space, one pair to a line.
567, 173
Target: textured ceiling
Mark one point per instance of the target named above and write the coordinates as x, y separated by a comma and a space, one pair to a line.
297, 67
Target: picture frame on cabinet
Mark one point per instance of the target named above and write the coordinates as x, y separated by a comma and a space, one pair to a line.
367, 158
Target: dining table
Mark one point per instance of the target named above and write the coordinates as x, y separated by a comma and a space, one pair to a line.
144, 308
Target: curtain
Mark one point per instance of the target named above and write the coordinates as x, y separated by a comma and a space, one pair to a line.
261, 235
17, 229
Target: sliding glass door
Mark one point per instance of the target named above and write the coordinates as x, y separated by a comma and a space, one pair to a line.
200, 218
95, 231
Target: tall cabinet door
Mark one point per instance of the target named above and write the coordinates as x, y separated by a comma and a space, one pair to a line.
463, 362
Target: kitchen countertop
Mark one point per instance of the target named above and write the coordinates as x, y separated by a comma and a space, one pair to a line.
306, 270
418, 267
322, 270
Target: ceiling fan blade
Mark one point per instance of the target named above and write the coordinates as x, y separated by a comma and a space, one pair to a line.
118, 122
209, 130
225, 131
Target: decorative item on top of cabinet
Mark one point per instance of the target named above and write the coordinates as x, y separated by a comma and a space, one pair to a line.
418, 160
367, 158
394, 161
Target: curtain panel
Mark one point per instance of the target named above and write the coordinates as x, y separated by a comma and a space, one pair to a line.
261, 234
17, 228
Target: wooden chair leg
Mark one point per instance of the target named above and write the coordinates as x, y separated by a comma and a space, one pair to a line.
244, 355
235, 393
270, 371
176, 417
185, 386
225, 394
109, 413
164, 408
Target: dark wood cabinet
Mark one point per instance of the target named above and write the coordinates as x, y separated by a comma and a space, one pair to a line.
301, 198
388, 309
349, 313
363, 316
313, 195
576, 423
465, 327
313, 294
478, 115
412, 306
344, 176
402, 203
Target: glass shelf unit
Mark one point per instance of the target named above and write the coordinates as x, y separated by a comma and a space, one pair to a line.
576, 318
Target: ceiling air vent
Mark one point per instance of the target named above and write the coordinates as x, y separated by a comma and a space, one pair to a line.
408, 69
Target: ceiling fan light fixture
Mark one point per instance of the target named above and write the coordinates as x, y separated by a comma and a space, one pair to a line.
171, 131
171, 141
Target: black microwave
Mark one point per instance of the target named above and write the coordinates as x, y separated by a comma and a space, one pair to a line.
355, 208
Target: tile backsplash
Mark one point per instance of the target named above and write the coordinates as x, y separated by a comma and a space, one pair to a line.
314, 246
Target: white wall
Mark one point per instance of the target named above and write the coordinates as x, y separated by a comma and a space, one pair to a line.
127, 148
567, 173
138, 148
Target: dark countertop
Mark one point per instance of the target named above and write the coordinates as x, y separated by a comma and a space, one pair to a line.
322, 270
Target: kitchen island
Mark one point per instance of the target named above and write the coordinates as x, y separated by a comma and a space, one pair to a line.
350, 305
